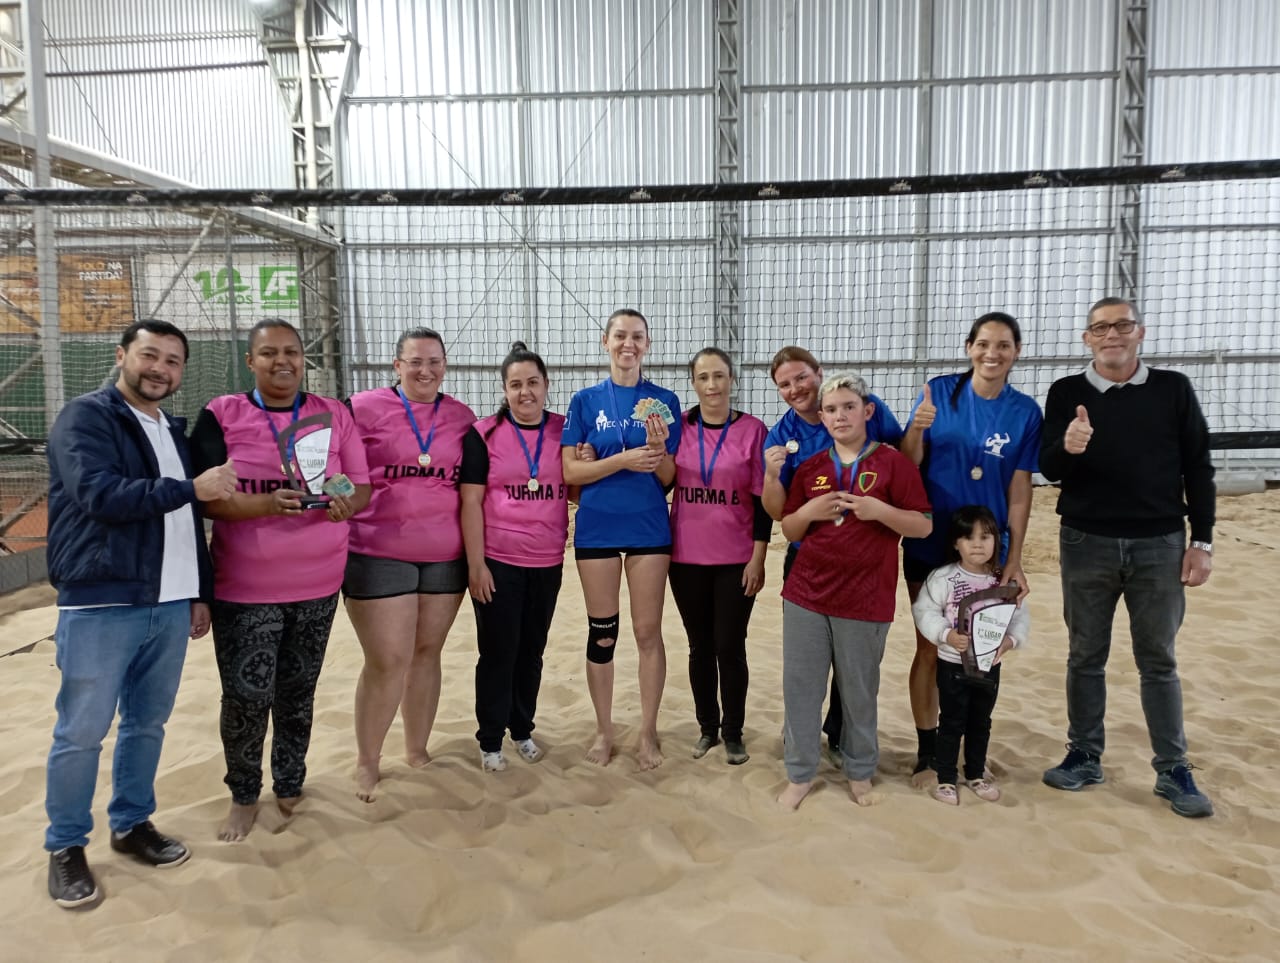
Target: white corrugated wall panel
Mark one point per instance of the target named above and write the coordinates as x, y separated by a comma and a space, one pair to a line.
829, 41
1208, 118
132, 19
1207, 34
821, 135
991, 38
179, 88
1033, 125
216, 128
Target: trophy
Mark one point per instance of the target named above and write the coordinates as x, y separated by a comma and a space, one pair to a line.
304, 457
984, 617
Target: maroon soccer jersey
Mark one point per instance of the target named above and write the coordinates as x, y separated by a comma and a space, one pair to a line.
851, 570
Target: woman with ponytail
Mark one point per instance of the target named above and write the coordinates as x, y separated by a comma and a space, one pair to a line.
976, 440
515, 519
619, 445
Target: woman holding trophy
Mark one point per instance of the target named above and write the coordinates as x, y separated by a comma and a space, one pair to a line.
279, 548
406, 572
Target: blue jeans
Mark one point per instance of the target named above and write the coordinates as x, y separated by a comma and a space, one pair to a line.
1147, 572
128, 656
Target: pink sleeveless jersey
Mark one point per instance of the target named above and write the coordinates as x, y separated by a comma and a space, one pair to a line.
276, 558
712, 516
523, 527
413, 514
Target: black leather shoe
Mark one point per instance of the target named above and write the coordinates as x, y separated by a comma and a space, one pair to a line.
154, 848
71, 883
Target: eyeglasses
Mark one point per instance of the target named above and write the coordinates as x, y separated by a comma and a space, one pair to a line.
1103, 328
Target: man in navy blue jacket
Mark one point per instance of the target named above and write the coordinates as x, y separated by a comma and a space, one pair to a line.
127, 555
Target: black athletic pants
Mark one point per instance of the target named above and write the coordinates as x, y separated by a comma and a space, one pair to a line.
715, 613
511, 633
965, 711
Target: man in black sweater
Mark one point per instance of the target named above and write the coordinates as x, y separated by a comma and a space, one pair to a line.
1131, 449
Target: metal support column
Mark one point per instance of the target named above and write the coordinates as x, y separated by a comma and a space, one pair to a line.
728, 322
311, 51
1131, 146
46, 254
924, 166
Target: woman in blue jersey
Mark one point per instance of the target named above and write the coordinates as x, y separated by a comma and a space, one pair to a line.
619, 445
974, 437
797, 437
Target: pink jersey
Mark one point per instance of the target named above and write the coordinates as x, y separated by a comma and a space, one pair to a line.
413, 514
277, 558
523, 527
712, 513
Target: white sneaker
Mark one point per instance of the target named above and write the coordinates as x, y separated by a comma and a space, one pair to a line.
529, 750
493, 761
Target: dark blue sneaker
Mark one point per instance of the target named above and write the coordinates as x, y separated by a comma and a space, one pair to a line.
1179, 788
1077, 770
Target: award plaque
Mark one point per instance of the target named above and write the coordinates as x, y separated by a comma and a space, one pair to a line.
984, 617
304, 455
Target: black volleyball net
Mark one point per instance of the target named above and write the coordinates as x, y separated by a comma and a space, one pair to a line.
882, 277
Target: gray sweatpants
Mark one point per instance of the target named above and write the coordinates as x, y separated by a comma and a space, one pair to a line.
811, 644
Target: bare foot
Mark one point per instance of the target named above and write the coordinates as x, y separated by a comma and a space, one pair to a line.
238, 822
367, 777
649, 752
287, 805
860, 790
601, 750
418, 758
794, 794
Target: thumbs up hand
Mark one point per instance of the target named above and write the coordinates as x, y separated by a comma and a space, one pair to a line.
925, 411
1078, 433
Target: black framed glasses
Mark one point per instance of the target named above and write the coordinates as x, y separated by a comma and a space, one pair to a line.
1103, 328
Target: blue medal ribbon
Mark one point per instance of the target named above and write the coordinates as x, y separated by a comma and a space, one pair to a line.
702, 452
980, 437
613, 403
275, 432
537, 455
423, 446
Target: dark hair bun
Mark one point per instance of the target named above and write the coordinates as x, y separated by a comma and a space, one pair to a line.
519, 346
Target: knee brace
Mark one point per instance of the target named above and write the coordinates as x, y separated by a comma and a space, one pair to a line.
598, 629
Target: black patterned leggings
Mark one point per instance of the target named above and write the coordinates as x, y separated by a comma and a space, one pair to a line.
269, 658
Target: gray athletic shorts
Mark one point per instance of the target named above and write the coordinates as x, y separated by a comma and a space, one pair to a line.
370, 577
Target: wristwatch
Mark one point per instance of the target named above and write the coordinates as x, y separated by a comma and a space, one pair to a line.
1203, 546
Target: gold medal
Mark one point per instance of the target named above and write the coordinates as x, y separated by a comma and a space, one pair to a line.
424, 459
532, 485
793, 446
975, 473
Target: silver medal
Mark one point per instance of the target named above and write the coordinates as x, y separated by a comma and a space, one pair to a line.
424, 459
975, 473
793, 446
839, 521
532, 485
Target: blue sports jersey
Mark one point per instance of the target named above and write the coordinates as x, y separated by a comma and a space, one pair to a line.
627, 509
882, 427
1000, 436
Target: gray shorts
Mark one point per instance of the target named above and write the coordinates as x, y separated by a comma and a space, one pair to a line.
370, 577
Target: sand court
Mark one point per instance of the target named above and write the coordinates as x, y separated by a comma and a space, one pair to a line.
563, 860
